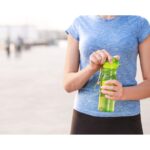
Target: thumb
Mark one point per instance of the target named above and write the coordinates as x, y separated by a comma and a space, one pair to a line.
117, 57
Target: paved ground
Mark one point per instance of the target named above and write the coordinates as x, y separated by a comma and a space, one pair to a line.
32, 99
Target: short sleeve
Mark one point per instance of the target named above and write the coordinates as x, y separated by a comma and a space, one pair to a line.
143, 30
73, 30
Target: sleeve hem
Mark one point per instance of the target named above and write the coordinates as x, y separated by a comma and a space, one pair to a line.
68, 32
144, 37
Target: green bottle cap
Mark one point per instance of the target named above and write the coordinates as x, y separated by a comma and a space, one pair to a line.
113, 65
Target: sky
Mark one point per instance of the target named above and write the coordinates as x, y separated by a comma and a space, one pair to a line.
59, 14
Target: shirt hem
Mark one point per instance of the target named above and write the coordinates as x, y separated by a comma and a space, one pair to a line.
106, 115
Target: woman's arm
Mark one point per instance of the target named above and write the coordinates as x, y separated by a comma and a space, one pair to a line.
139, 91
142, 90
73, 78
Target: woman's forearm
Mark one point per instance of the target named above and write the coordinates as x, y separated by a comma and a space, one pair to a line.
140, 91
74, 81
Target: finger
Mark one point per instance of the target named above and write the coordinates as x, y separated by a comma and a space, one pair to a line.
117, 57
104, 57
110, 97
110, 93
101, 54
109, 57
94, 60
115, 82
113, 88
99, 57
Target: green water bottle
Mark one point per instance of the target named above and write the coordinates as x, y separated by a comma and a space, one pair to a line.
108, 72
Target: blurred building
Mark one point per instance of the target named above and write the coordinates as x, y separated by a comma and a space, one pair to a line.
28, 35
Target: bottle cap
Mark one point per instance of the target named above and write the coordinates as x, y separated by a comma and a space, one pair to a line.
113, 65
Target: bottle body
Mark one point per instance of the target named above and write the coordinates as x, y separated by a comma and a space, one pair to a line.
105, 104
108, 72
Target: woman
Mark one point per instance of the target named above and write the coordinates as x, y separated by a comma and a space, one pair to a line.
91, 41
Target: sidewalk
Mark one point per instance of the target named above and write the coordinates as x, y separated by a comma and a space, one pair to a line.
32, 99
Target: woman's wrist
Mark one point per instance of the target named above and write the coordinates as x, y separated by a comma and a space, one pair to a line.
91, 69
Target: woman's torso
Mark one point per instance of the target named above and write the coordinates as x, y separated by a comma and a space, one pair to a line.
119, 36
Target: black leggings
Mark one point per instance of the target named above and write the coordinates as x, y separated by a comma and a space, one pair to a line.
86, 124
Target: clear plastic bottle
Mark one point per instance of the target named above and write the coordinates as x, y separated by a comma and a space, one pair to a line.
108, 72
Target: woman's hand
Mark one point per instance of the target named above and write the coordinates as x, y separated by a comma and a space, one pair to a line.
98, 58
113, 89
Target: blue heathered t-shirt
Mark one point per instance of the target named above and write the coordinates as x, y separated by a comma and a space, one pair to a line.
119, 36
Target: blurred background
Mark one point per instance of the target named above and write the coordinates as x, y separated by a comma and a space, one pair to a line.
32, 54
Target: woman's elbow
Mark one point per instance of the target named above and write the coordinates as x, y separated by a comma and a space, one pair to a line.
67, 87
